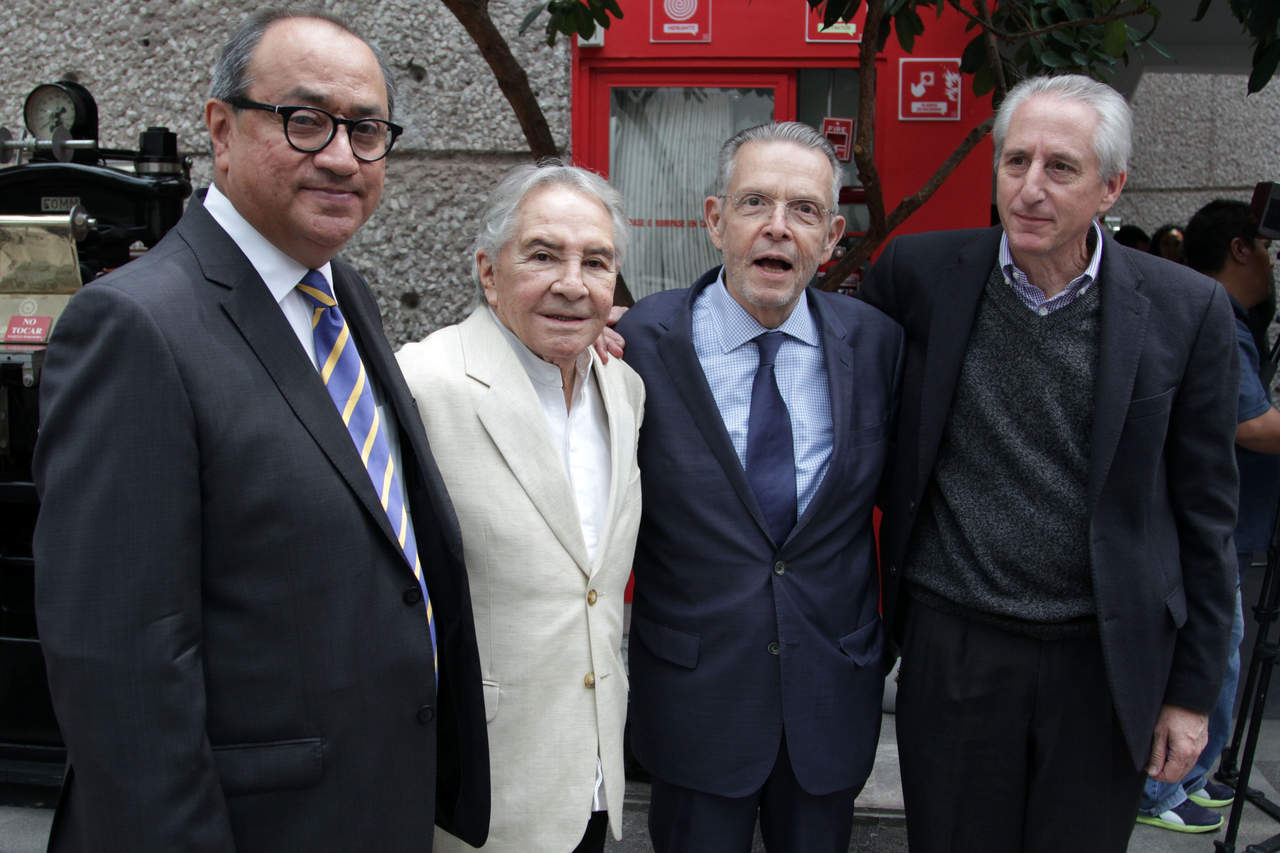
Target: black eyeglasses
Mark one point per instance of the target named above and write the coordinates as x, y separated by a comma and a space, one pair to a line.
310, 129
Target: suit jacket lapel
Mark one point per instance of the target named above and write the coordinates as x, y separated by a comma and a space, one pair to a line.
675, 348
838, 356
255, 313
955, 304
622, 430
1123, 334
512, 415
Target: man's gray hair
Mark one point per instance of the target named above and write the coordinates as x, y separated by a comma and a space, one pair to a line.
1112, 138
498, 222
231, 72
794, 132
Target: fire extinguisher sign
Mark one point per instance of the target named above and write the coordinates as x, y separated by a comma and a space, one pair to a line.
929, 89
680, 20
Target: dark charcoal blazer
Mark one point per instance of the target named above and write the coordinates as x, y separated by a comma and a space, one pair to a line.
1162, 483
736, 639
237, 651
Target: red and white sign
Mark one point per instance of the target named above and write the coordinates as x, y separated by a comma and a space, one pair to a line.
679, 20
839, 132
929, 89
843, 31
27, 330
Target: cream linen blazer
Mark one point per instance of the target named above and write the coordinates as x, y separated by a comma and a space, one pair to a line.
548, 621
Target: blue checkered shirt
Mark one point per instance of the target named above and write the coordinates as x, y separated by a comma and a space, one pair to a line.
1032, 296
722, 338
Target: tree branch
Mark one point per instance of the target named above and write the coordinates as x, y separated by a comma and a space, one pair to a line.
511, 76
1141, 8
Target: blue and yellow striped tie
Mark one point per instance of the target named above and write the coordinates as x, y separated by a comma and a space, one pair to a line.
344, 376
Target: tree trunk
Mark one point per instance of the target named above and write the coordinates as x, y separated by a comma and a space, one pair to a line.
511, 76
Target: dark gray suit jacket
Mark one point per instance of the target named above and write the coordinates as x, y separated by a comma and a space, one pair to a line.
1162, 482
737, 639
237, 650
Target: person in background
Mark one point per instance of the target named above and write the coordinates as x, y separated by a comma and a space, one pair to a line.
1133, 237
1166, 242
1222, 242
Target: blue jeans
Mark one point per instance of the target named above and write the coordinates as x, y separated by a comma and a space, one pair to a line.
1158, 797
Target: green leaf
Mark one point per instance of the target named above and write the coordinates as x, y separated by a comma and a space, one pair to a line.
1052, 59
1116, 39
1265, 61
974, 55
983, 81
531, 16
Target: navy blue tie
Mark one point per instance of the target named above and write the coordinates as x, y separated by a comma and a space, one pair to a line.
771, 461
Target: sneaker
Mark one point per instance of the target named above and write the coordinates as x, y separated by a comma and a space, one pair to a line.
1187, 817
1212, 795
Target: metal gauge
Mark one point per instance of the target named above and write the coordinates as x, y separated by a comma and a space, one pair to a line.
63, 104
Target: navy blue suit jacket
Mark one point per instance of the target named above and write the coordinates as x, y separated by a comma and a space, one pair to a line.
736, 639
1162, 480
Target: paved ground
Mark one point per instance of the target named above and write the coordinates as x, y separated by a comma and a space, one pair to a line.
25, 812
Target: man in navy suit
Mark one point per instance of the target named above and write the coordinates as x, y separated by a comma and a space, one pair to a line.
757, 654
241, 652
1058, 522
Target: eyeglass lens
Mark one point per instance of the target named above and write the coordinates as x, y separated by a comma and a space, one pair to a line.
311, 130
802, 210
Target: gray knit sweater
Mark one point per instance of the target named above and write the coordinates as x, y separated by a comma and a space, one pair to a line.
1004, 528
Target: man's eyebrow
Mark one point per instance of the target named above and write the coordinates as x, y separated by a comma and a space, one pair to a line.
303, 95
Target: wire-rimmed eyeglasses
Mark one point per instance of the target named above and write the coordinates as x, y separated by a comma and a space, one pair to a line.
310, 129
800, 211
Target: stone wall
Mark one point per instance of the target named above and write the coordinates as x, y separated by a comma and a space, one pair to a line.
148, 62
1197, 137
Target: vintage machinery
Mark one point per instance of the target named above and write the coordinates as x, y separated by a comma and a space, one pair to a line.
70, 210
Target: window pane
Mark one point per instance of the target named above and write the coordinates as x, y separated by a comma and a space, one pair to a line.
663, 143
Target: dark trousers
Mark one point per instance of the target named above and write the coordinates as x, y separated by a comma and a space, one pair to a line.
1009, 744
593, 839
682, 820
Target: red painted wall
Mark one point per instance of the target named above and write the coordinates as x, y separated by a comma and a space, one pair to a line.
768, 38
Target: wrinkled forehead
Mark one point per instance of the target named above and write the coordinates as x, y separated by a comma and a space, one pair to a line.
782, 169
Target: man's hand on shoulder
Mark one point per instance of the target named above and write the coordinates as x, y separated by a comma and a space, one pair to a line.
610, 342
1180, 737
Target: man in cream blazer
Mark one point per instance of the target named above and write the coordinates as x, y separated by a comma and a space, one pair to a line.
536, 441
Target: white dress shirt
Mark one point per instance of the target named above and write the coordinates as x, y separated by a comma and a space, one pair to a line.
580, 435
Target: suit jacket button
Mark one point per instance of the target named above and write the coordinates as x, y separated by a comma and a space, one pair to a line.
591, 597
413, 595
426, 714
774, 648
590, 681
779, 567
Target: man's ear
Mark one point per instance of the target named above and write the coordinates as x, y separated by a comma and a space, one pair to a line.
484, 268
1240, 250
220, 118
713, 213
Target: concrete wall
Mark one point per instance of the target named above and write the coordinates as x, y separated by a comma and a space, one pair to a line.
1197, 137
148, 62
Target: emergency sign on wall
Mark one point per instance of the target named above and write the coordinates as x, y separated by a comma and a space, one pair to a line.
680, 20
841, 31
928, 89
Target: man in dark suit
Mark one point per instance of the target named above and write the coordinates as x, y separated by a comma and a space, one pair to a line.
238, 605
1061, 501
756, 649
